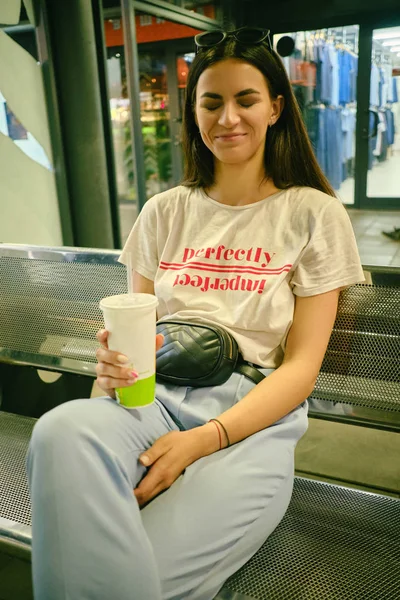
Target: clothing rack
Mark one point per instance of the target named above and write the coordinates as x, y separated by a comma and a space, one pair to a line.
342, 39
323, 72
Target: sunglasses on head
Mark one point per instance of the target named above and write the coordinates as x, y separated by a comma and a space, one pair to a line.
245, 35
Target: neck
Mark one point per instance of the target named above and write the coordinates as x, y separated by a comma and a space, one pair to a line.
238, 185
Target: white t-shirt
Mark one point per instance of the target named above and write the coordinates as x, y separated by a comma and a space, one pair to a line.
240, 266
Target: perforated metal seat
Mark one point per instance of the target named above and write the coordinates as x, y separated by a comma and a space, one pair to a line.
333, 543
15, 509
49, 307
361, 365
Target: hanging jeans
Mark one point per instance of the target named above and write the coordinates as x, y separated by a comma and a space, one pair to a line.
91, 541
334, 147
373, 137
324, 126
390, 126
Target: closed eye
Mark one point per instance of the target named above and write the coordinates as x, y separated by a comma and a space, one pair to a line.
242, 104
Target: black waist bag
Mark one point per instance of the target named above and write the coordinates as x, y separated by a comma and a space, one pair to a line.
199, 355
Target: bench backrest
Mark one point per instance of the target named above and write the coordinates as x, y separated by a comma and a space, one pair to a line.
49, 315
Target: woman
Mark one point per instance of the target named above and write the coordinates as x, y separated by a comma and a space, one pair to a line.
130, 504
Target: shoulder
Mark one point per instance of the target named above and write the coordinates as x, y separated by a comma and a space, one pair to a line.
317, 211
312, 199
168, 209
310, 202
171, 199
312, 209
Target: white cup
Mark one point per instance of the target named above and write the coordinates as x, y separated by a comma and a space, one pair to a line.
130, 320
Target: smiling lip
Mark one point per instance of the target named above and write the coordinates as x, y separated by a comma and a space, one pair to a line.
231, 136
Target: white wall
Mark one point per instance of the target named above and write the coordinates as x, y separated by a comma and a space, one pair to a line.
29, 211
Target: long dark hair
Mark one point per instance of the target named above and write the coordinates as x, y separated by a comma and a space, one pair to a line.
289, 158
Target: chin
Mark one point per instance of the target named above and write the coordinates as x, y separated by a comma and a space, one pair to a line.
233, 158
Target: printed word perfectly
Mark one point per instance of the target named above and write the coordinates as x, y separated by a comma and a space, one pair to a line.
255, 255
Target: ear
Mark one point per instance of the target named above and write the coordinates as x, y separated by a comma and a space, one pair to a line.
277, 107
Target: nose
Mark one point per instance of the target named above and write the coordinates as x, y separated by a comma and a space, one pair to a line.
229, 116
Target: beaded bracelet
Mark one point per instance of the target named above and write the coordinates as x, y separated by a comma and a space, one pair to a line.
226, 433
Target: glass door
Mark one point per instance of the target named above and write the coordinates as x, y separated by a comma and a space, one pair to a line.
380, 136
323, 70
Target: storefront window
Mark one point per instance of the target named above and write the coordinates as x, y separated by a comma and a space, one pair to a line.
154, 106
384, 115
323, 71
163, 75
120, 119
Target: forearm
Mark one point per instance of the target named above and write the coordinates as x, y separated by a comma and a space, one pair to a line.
273, 398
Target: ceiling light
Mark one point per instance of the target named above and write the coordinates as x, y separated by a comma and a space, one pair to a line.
387, 35
391, 42
395, 49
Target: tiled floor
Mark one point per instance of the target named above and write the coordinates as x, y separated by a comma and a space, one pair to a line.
350, 455
15, 579
374, 247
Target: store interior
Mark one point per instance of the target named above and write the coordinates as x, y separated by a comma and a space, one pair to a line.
323, 70
384, 150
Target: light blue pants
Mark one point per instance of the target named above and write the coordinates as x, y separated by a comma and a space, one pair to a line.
90, 540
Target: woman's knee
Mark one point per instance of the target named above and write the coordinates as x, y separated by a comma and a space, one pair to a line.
64, 423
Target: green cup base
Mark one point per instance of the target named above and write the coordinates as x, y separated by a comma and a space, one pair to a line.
139, 394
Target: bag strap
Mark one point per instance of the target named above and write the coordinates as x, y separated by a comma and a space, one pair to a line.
244, 368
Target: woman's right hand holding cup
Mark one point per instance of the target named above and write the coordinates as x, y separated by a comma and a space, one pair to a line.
113, 369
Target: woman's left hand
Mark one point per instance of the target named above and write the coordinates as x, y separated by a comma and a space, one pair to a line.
169, 456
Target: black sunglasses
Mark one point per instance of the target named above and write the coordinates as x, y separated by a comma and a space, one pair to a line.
245, 35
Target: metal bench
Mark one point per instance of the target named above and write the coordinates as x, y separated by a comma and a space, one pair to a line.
333, 542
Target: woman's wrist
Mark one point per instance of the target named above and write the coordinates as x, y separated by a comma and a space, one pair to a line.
222, 431
210, 438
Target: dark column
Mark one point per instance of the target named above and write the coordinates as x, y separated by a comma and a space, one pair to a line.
75, 33
246, 13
